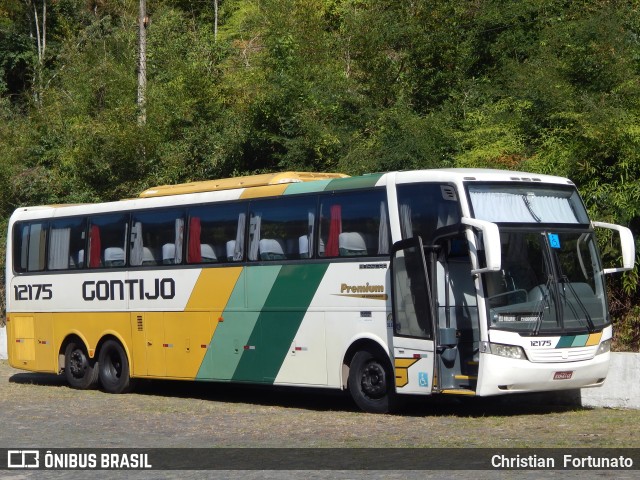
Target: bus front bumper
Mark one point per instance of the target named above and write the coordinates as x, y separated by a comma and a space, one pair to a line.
500, 375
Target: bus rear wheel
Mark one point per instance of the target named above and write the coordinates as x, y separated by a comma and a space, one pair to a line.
114, 368
79, 370
371, 382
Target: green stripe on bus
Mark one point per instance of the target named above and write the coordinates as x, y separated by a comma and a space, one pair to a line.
580, 340
565, 342
307, 187
233, 335
349, 183
279, 321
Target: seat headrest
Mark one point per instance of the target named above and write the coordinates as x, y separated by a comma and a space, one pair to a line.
353, 241
303, 245
271, 245
168, 251
207, 252
231, 246
112, 254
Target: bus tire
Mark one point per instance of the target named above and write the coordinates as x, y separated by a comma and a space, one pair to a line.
371, 383
114, 368
80, 371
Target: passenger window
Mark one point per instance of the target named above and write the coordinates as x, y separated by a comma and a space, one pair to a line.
354, 224
282, 228
30, 241
107, 241
216, 233
157, 237
425, 207
67, 239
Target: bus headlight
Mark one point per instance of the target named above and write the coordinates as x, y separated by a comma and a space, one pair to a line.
604, 347
509, 351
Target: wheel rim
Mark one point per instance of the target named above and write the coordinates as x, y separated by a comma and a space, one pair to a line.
373, 381
77, 363
115, 366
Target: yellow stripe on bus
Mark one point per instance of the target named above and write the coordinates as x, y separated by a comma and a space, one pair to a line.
213, 288
594, 339
269, 191
402, 370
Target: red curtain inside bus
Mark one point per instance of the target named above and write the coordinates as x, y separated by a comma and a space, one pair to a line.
95, 247
335, 229
195, 253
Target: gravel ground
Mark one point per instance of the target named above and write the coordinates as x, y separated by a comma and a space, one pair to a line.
40, 411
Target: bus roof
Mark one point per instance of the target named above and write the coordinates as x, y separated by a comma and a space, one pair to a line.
249, 181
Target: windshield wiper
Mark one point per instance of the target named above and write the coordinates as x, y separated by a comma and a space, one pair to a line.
527, 204
544, 303
587, 317
567, 283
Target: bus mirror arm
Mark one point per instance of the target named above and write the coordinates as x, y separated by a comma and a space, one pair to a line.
626, 244
491, 241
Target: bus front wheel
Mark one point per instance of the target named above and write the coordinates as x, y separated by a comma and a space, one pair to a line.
79, 370
114, 368
371, 382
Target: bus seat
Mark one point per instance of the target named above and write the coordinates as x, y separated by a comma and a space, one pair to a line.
538, 294
303, 246
169, 253
461, 286
207, 253
291, 247
352, 244
231, 246
148, 258
113, 257
583, 290
271, 249
76, 259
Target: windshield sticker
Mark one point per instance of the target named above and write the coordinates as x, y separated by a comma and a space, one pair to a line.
554, 240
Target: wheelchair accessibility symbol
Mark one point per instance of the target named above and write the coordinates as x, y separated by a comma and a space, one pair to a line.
423, 379
554, 240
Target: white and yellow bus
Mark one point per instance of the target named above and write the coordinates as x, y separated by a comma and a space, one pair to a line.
467, 282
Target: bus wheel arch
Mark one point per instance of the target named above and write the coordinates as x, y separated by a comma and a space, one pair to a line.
114, 366
80, 370
370, 377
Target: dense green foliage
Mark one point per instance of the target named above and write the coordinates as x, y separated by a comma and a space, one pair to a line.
355, 86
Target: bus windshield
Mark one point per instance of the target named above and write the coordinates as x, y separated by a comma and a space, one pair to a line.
550, 282
527, 203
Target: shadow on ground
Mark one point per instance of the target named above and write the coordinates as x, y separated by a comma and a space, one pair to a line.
330, 400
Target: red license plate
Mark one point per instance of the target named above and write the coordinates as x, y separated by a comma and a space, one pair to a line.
562, 375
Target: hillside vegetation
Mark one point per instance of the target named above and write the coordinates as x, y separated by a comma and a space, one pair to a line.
243, 86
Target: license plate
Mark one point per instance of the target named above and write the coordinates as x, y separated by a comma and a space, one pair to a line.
562, 375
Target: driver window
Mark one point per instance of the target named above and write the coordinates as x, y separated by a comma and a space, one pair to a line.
426, 207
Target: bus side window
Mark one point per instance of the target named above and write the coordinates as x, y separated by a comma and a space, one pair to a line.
29, 244
354, 224
157, 237
424, 208
66, 244
107, 240
216, 233
282, 228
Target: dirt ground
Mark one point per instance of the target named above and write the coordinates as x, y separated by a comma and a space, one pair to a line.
40, 411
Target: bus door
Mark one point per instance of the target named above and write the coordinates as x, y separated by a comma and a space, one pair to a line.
455, 262
413, 319
457, 321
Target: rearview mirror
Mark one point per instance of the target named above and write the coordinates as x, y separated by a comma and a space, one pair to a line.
491, 241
